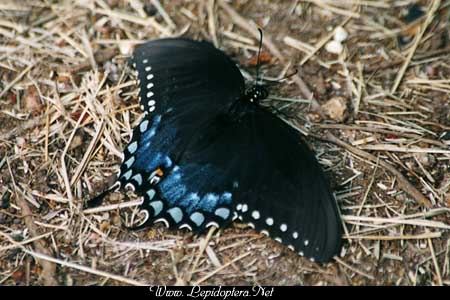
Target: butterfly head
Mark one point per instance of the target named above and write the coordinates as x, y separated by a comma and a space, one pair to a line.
256, 93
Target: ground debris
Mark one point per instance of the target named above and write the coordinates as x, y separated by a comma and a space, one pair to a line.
68, 101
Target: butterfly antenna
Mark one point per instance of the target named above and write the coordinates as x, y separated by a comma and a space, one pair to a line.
259, 54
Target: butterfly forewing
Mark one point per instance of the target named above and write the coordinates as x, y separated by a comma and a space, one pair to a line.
182, 83
172, 72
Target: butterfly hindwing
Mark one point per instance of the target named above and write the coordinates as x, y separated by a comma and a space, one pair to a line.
278, 185
175, 191
291, 195
211, 168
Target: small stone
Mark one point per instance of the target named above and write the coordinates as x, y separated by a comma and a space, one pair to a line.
113, 70
125, 48
299, 10
69, 280
431, 71
414, 13
335, 85
340, 34
335, 108
150, 10
77, 141
445, 137
64, 83
31, 100
447, 199
425, 159
20, 141
18, 276
334, 47
104, 226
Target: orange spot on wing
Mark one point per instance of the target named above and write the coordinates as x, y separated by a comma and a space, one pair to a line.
159, 172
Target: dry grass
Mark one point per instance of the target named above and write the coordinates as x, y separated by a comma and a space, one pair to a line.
68, 104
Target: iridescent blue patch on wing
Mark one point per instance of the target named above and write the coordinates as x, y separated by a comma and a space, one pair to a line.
226, 198
150, 133
167, 162
172, 188
178, 188
209, 202
189, 200
153, 150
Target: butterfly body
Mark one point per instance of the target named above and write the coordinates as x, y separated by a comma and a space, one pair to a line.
206, 153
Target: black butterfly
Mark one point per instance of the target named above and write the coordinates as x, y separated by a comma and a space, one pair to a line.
206, 153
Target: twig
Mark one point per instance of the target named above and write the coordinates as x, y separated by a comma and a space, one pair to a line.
393, 148
84, 162
353, 269
21, 127
379, 130
402, 181
422, 236
415, 222
200, 252
30, 240
436, 266
84, 268
163, 13
48, 268
212, 22
12, 83
334, 9
221, 268
434, 6
99, 57
112, 207
134, 19
366, 194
